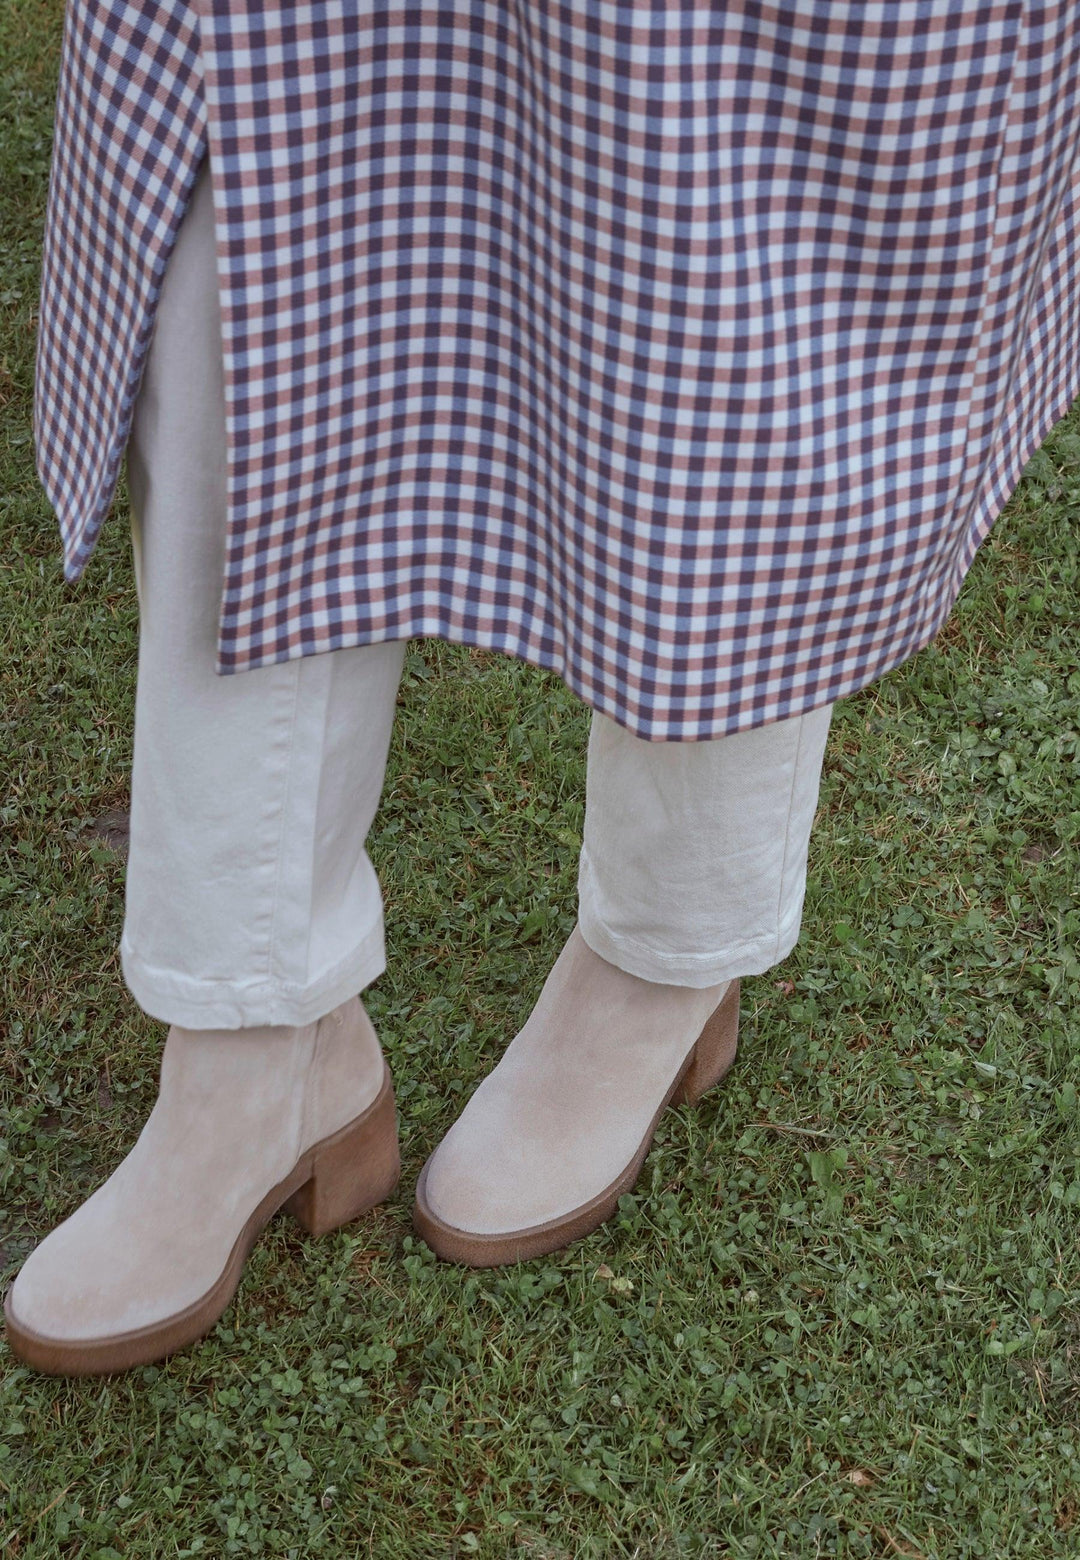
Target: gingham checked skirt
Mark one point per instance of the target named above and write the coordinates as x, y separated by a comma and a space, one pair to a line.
688, 350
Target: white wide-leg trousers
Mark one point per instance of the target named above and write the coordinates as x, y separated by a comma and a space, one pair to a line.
251, 898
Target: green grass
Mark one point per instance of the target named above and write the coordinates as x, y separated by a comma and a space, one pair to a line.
840, 1316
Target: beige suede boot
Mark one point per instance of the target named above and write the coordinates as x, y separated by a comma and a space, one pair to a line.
559, 1129
246, 1121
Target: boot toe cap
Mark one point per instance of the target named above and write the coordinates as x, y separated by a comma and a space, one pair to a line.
79, 1285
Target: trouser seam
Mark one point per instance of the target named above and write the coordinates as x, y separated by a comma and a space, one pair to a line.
787, 827
272, 934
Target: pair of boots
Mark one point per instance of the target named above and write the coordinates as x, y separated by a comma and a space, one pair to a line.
252, 1120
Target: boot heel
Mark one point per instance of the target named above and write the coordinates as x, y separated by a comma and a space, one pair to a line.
351, 1171
714, 1050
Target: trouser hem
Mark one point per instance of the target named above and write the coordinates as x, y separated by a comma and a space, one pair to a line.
200, 1003
752, 957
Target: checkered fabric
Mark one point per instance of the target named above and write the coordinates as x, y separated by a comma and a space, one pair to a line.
686, 349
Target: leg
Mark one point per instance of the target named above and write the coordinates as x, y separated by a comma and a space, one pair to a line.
253, 916
692, 873
250, 895
693, 863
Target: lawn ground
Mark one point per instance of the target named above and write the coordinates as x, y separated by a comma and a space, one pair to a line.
840, 1315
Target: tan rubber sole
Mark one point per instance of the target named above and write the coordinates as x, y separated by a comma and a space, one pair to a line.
710, 1058
333, 1182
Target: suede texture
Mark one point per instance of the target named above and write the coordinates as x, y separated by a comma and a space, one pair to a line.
569, 1103
235, 1110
